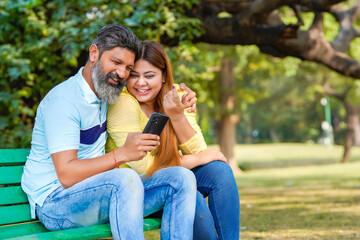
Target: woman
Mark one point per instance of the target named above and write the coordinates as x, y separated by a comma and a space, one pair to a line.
150, 89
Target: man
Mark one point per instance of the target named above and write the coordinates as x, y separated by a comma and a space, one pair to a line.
69, 180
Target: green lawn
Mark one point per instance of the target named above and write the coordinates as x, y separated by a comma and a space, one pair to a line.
256, 156
314, 202
319, 198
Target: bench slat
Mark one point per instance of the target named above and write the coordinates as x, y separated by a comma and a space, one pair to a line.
151, 224
11, 174
13, 155
21, 229
15, 214
91, 232
35, 230
15, 219
12, 195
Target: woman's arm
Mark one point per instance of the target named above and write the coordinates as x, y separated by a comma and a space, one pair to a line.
123, 118
208, 155
184, 122
174, 108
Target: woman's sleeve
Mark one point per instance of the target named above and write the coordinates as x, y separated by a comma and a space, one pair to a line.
123, 118
197, 143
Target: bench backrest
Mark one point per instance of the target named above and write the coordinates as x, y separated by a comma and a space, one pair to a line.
14, 205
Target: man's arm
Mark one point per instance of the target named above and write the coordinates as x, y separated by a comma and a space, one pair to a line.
71, 170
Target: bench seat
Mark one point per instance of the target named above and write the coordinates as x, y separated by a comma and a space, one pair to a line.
15, 220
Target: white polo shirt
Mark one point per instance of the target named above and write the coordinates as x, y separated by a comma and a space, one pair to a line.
70, 117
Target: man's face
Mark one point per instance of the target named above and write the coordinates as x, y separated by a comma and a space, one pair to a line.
110, 72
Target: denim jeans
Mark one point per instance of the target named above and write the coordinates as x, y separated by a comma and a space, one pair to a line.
220, 218
117, 196
172, 189
216, 181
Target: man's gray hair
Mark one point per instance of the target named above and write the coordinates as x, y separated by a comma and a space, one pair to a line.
116, 35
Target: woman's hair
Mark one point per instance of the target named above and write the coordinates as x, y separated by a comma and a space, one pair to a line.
167, 154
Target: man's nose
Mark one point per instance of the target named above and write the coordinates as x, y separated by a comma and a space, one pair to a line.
121, 72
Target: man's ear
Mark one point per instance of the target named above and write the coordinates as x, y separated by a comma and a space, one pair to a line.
93, 53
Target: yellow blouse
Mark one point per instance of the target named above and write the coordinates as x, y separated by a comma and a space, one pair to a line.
126, 116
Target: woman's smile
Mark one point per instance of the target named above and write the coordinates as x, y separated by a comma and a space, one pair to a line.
142, 91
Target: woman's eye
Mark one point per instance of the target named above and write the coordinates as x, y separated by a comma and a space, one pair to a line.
149, 76
133, 75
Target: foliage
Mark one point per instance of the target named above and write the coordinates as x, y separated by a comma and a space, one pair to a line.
42, 43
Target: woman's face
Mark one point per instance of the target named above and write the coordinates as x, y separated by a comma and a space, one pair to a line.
145, 82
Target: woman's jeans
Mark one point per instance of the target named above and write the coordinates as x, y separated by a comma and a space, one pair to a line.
216, 181
118, 196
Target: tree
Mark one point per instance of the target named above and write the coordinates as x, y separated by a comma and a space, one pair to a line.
260, 22
229, 117
43, 42
349, 97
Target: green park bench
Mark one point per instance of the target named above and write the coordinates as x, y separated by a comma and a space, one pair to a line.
15, 220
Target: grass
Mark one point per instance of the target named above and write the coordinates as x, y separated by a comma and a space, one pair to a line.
304, 193
256, 156
314, 202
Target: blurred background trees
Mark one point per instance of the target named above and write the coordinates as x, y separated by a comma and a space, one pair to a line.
216, 47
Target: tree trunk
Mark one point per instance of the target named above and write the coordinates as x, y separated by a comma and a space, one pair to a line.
357, 132
273, 135
227, 135
352, 119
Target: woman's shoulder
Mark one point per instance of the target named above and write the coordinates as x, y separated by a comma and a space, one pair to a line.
125, 100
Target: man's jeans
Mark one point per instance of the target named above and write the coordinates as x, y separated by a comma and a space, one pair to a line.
117, 196
216, 181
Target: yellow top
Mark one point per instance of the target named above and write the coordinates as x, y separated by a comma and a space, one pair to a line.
126, 116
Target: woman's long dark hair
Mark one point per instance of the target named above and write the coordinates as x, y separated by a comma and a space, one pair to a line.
167, 153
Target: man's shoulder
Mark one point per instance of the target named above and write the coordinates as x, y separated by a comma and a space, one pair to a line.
65, 88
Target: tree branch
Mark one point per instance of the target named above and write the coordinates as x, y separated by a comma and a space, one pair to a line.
256, 22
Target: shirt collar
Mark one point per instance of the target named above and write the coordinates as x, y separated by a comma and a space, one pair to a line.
88, 94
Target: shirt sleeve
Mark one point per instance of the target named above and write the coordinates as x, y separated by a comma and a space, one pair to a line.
197, 143
62, 125
123, 118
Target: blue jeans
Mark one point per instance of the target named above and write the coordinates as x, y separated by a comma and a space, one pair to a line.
220, 218
117, 196
216, 181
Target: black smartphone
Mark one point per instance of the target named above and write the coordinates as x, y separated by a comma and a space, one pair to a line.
156, 123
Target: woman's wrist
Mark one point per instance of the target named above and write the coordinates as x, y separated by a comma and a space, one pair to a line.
177, 117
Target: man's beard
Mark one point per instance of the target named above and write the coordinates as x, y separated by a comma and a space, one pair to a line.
108, 92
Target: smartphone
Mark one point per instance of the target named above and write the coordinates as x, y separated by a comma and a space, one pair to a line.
156, 123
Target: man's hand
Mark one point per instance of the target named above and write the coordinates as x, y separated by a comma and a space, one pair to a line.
137, 145
189, 99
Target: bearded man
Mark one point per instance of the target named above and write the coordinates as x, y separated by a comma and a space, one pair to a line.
69, 180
